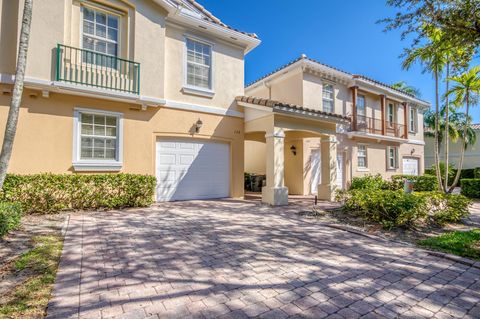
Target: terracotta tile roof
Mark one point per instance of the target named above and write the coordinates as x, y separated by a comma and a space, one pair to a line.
359, 76
476, 126
302, 57
354, 76
273, 104
208, 16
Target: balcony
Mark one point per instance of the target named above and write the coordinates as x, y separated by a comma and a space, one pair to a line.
96, 70
374, 126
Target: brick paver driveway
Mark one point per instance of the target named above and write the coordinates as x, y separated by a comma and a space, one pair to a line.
236, 259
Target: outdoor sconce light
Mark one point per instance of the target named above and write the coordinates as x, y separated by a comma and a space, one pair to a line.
412, 151
294, 150
198, 125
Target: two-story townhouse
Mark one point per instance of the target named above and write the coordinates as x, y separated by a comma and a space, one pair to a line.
385, 135
136, 86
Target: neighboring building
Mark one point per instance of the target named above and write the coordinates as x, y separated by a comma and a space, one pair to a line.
124, 86
385, 136
157, 87
472, 153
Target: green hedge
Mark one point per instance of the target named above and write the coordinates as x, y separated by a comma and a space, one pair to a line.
424, 183
470, 187
466, 173
394, 208
10, 216
55, 192
370, 182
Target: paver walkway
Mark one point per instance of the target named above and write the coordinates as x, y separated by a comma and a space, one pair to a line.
237, 259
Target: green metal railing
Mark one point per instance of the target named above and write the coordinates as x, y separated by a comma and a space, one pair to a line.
98, 70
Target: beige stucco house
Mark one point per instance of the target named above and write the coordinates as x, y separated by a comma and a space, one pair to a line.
157, 87
383, 134
472, 153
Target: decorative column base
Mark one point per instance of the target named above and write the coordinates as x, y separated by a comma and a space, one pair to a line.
327, 192
275, 196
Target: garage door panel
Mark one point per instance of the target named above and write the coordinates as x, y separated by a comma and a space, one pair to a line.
410, 166
192, 170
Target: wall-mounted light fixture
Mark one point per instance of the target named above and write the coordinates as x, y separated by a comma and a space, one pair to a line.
412, 151
293, 149
198, 125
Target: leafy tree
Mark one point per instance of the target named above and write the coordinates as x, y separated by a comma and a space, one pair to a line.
466, 92
459, 20
12, 119
403, 86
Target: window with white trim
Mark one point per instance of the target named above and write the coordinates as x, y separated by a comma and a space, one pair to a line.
413, 120
361, 105
362, 156
97, 142
391, 113
199, 64
328, 98
98, 137
392, 157
100, 34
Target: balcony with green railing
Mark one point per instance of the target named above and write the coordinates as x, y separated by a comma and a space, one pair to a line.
97, 70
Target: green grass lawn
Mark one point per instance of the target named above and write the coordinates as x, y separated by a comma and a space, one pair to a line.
465, 244
29, 299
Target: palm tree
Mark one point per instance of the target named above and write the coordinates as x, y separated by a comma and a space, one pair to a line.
465, 91
455, 124
433, 58
403, 86
12, 120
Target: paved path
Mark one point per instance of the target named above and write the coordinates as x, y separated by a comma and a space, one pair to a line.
236, 259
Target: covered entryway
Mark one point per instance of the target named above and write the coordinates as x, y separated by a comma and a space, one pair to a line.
192, 169
299, 147
410, 166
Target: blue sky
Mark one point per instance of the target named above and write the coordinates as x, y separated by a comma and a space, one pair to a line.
343, 34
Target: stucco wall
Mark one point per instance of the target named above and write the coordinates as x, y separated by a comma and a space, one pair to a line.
472, 154
44, 139
144, 37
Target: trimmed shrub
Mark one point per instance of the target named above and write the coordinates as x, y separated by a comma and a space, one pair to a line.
390, 208
470, 187
369, 182
424, 183
476, 172
394, 208
47, 193
10, 216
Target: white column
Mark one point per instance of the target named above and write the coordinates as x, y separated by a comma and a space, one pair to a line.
326, 189
275, 193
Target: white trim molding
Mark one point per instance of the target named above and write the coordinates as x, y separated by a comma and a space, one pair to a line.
96, 165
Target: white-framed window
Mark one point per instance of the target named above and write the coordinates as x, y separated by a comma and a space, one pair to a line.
198, 74
100, 34
392, 157
97, 140
361, 105
391, 113
328, 98
362, 156
412, 120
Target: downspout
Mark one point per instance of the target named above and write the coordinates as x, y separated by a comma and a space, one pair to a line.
269, 87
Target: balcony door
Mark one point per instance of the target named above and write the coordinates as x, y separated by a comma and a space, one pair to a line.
361, 112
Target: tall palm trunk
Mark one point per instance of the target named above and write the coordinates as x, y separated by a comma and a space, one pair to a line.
12, 120
464, 140
437, 144
447, 136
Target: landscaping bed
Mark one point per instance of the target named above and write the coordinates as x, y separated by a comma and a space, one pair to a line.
382, 208
29, 259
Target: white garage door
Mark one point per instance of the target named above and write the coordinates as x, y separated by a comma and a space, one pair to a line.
340, 171
410, 166
187, 169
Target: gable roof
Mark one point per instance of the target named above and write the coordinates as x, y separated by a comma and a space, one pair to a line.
206, 15
353, 77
